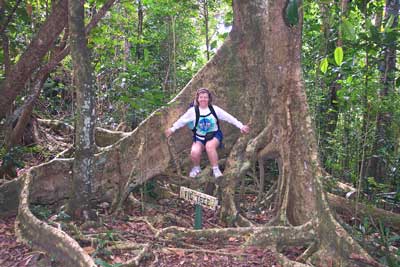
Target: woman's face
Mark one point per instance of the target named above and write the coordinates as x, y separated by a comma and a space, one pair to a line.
203, 100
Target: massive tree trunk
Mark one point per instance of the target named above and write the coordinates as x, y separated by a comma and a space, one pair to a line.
256, 75
279, 113
79, 204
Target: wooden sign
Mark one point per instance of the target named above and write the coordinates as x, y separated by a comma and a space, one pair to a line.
196, 197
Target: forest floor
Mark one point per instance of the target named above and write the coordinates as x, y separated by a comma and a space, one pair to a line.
138, 224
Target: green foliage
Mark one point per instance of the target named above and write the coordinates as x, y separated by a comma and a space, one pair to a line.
24, 23
345, 91
338, 55
140, 71
102, 241
348, 30
15, 155
292, 13
147, 189
387, 239
63, 216
102, 263
324, 65
12, 157
41, 212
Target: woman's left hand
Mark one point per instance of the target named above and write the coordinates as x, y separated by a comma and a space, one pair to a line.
168, 132
245, 129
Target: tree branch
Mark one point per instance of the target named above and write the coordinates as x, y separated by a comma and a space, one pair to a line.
9, 18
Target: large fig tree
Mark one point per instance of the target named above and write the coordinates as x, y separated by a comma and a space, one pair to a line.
255, 75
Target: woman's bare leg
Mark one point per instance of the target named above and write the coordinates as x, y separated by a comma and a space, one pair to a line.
195, 153
211, 148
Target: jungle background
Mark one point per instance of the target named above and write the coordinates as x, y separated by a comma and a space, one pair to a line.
144, 52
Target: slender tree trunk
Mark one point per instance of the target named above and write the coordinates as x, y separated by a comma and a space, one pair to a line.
31, 59
174, 75
4, 38
21, 117
384, 139
6, 54
4, 41
206, 24
329, 109
83, 168
139, 49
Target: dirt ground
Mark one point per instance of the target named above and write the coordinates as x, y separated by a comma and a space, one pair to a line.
137, 225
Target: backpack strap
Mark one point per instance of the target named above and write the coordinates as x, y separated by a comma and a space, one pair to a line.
197, 111
214, 114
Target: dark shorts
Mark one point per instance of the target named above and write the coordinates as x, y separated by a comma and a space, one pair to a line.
218, 134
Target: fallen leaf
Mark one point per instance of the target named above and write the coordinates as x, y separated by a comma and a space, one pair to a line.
89, 250
118, 260
180, 252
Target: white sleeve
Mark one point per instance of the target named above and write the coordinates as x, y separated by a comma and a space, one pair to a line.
225, 116
190, 115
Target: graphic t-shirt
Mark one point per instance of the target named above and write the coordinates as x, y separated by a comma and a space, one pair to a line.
207, 121
207, 124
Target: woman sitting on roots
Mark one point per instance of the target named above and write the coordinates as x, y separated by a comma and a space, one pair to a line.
203, 117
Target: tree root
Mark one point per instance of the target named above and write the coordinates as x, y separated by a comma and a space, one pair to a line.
282, 259
288, 235
308, 252
144, 253
9, 193
256, 236
358, 258
39, 234
268, 197
217, 252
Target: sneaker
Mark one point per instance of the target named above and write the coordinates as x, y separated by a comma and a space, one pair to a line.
217, 173
195, 171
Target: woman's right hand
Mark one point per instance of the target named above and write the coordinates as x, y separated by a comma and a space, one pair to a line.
245, 129
168, 132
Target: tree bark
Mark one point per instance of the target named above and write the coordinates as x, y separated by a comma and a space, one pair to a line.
79, 205
280, 122
30, 60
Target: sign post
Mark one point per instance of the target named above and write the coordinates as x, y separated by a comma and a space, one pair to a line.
200, 200
198, 217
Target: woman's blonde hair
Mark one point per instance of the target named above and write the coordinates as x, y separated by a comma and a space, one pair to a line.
199, 91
